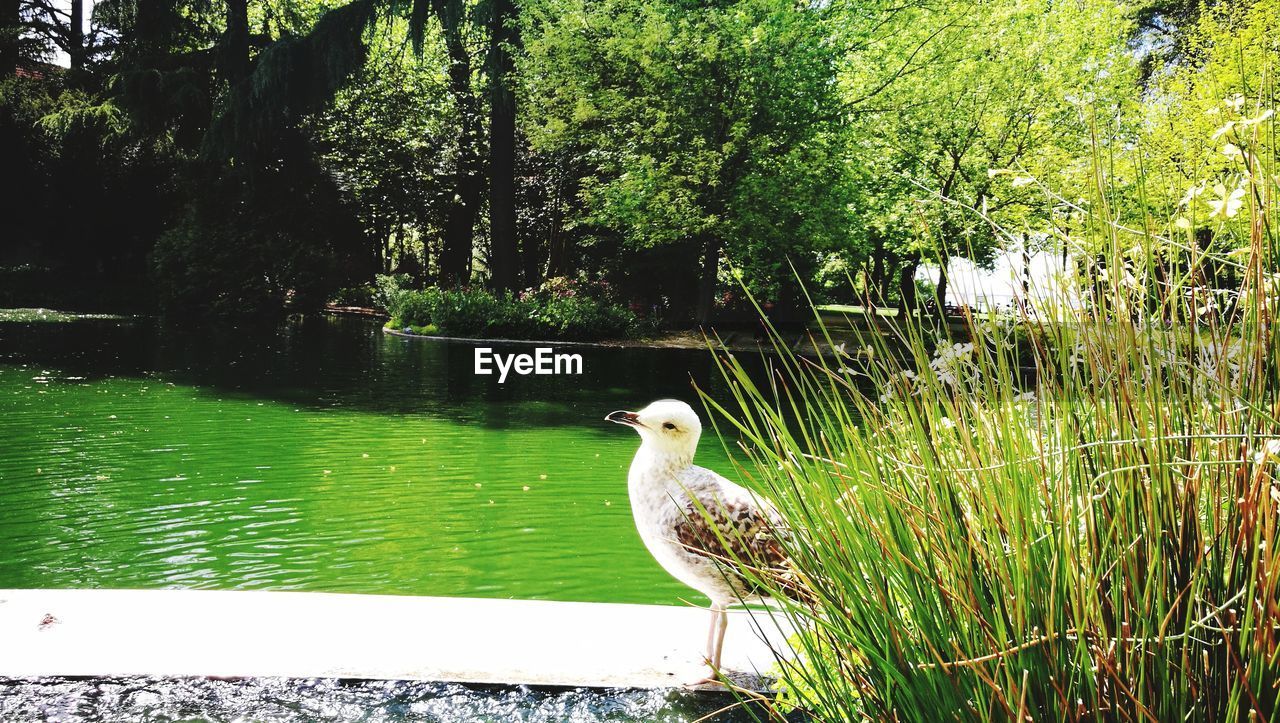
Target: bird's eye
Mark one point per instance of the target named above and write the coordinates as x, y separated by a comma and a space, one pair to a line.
668, 425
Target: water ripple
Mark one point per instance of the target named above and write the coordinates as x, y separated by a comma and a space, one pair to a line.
327, 458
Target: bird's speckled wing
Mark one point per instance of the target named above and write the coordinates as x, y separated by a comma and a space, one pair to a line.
726, 522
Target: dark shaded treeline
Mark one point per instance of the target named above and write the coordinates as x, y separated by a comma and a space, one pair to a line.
195, 158
248, 157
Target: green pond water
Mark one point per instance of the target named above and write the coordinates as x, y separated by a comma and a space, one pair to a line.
325, 456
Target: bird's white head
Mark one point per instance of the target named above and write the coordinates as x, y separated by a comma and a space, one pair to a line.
668, 427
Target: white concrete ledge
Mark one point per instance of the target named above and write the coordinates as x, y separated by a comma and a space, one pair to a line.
294, 634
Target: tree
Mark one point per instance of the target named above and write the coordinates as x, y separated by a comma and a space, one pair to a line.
10, 32
709, 127
504, 254
389, 138
60, 28
469, 178
950, 95
1203, 149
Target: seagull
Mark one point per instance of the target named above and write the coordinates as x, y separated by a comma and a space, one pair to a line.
702, 528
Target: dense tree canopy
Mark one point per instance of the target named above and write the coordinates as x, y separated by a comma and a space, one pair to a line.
962, 90
715, 129
245, 156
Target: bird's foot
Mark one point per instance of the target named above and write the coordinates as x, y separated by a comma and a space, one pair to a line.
707, 682
713, 679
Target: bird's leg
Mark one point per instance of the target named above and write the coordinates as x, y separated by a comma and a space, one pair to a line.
724, 625
711, 634
715, 641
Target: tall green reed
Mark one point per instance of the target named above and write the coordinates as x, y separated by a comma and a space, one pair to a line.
1068, 514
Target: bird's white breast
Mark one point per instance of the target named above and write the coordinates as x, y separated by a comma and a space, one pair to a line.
658, 503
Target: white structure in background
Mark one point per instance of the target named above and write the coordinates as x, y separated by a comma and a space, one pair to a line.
1041, 276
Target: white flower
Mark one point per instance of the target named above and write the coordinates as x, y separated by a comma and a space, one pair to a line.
1231, 150
946, 423
1182, 223
1255, 121
1226, 204
1191, 194
1270, 448
1225, 129
1235, 102
1025, 397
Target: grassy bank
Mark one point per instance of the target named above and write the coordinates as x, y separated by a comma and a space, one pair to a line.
1095, 543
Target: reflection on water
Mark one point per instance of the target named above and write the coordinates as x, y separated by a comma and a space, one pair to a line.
321, 456
293, 701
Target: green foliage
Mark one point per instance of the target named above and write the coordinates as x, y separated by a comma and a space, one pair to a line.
390, 138
954, 92
665, 146
1205, 128
84, 198
695, 125
473, 313
1071, 516
388, 287
247, 249
582, 318
292, 77
476, 313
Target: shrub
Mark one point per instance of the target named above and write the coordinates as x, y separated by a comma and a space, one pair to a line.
256, 246
582, 318
387, 289
481, 314
407, 307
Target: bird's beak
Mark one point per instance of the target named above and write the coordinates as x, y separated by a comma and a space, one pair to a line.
621, 417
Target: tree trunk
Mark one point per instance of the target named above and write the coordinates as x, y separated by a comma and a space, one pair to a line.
455, 253
707, 280
532, 258
373, 252
1026, 270
394, 255
235, 50
75, 35
504, 263
907, 288
557, 249
944, 277
10, 28
876, 286
457, 244
558, 238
